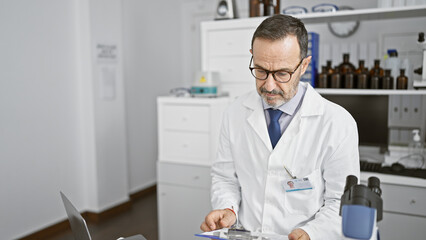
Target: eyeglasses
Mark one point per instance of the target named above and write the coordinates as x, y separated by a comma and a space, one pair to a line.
279, 76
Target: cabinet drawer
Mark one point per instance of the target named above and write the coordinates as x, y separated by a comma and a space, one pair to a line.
186, 117
229, 42
233, 69
183, 174
404, 199
185, 146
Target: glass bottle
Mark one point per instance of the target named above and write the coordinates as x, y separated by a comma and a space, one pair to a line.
377, 66
361, 67
361, 82
336, 79
402, 80
323, 78
330, 71
375, 79
346, 65
387, 82
349, 79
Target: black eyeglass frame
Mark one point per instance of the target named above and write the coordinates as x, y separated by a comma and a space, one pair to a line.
273, 72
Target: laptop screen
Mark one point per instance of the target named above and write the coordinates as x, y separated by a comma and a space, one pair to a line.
77, 222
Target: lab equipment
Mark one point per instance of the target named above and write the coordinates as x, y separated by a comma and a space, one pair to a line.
294, 10
206, 84
226, 9
422, 44
361, 208
325, 7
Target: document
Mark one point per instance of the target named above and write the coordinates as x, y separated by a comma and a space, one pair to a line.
223, 235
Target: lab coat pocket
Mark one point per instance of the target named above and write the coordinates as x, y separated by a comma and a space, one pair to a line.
306, 202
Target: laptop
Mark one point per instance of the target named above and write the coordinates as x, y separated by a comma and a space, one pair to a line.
79, 226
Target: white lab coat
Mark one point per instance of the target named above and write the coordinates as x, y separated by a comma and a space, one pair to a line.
320, 143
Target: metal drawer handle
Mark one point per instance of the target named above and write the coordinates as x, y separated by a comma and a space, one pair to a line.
412, 202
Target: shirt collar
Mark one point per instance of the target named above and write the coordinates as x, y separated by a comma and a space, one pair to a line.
290, 107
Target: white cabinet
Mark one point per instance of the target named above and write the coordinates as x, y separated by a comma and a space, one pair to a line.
188, 129
188, 133
183, 199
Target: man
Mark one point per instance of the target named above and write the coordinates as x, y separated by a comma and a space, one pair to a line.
284, 131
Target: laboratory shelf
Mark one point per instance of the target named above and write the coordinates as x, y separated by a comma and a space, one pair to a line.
365, 14
327, 91
325, 17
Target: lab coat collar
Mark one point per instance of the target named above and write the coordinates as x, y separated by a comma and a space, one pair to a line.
257, 118
312, 105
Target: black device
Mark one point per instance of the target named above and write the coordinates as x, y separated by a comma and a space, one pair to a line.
226, 9
361, 207
359, 194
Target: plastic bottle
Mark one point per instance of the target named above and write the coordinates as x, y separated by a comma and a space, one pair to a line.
393, 63
402, 80
387, 82
416, 148
323, 78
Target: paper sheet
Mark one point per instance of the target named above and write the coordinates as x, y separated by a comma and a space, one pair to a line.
222, 234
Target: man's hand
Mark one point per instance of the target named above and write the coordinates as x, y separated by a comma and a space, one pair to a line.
218, 219
298, 234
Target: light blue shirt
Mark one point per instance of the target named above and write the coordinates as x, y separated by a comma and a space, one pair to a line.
289, 108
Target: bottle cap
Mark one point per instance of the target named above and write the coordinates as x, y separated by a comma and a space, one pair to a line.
392, 53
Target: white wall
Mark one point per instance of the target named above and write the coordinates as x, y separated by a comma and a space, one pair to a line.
152, 66
56, 132
39, 118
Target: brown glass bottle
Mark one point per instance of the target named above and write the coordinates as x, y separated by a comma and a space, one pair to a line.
323, 78
330, 71
336, 81
349, 79
402, 80
361, 67
361, 75
387, 82
375, 79
377, 66
346, 65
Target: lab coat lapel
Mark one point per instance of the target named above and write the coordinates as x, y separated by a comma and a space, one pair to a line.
257, 119
312, 105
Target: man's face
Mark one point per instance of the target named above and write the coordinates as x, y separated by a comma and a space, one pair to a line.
278, 55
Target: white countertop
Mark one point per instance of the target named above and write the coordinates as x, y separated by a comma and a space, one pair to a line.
395, 179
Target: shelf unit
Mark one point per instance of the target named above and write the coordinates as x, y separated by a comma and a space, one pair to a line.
365, 14
328, 91
324, 17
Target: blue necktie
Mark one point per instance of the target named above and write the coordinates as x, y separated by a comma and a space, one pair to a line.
274, 129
